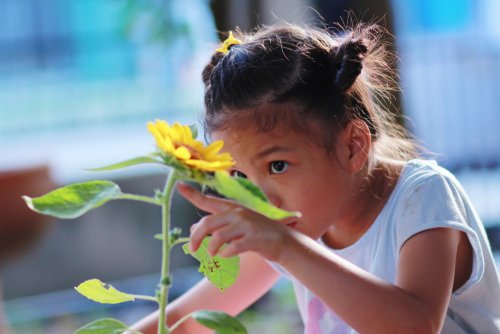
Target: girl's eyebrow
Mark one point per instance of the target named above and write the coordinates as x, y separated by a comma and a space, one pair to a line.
271, 150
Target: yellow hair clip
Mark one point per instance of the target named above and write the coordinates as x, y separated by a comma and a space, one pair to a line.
230, 41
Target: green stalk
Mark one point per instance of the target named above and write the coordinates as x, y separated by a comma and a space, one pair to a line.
164, 280
141, 198
178, 323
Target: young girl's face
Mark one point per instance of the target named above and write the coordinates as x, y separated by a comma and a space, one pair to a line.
293, 172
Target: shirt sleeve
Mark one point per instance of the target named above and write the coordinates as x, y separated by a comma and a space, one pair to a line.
436, 201
280, 270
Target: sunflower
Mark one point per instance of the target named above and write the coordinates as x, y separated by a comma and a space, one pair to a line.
177, 141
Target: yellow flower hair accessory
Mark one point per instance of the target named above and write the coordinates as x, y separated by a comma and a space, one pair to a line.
230, 41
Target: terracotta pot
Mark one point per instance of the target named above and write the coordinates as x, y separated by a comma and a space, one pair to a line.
19, 226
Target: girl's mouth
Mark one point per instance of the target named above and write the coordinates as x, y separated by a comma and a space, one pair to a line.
292, 224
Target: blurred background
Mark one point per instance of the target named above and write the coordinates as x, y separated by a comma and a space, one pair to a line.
80, 79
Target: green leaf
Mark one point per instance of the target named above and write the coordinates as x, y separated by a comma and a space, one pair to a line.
248, 185
222, 272
249, 195
74, 200
194, 130
103, 326
103, 293
128, 163
221, 322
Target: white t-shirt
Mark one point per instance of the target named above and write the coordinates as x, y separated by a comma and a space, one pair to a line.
426, 196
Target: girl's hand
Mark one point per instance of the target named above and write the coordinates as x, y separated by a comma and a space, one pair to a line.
239, 228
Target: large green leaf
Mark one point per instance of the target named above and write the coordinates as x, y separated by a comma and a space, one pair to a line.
103, 293
74, 200
128, 163
104, 326
248, 185
221, 322
249, 195
222, 272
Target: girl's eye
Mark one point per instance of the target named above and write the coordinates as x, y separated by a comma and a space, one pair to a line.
237, 173
278, 167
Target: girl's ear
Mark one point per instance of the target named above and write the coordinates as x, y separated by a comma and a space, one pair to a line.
356, 143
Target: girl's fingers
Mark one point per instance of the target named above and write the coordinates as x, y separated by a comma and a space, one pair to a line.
208, 225
234, 248
225, 235
204, 202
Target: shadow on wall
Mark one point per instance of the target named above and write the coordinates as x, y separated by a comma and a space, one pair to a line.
112, 242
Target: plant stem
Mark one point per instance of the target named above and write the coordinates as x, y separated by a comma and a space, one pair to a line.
141, 198
180, 241
165, 280
143, 297
180, 321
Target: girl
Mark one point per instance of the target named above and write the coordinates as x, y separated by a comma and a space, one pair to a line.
387, 243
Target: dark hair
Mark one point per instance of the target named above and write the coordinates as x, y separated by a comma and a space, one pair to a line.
312, 78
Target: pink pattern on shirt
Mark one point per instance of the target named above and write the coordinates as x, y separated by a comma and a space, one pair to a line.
315, 312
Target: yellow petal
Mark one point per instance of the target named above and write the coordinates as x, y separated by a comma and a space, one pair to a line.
152, 128
154, 131
176, 133
166, 145
182, 153
182, 133
188, 134
198, 164
225, 157
198, 146
210, 166
213, 148
163, 127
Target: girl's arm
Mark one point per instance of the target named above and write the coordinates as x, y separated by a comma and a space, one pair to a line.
416, 304
255, 279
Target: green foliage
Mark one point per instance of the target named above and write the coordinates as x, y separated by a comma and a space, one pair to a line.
221, 322
103, 326
248, 185
249, 195
129, 163
101, 292
222, 272
194, 130
74, 200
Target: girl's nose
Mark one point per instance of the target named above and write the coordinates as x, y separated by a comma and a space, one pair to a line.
274, 200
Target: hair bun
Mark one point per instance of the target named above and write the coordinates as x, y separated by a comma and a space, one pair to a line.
347, 62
